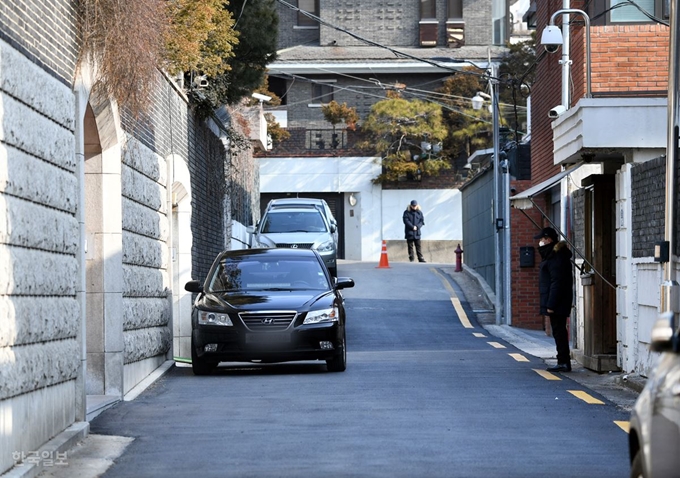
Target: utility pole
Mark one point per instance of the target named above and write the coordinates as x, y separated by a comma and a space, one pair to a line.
669, 288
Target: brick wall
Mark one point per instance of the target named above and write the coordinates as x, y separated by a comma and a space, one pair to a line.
388, 22
629, 58
648, 191
545, 94
626, 59
216, 172
525, 299
299, 95
288, 34
44, 32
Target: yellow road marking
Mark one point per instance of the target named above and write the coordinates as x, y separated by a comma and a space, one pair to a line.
519, 357
623, 425
546, 375
478, 334
585, 397
462, 316
496, 345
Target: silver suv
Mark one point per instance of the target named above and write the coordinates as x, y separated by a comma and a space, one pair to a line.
320, 204
299, 227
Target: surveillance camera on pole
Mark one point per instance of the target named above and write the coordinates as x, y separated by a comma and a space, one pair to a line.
551, 38
260, 97
201, 81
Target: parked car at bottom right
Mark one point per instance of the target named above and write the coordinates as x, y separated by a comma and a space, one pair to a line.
654, 437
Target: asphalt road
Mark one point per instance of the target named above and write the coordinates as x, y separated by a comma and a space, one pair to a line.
423, 396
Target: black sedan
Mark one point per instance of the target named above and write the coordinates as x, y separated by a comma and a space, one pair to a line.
268, 305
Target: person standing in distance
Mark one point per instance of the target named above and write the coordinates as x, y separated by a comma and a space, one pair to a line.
413, 222
555, 284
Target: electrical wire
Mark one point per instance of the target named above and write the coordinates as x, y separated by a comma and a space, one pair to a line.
397, 53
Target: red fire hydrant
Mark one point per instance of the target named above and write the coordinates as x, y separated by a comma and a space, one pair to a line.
459, 259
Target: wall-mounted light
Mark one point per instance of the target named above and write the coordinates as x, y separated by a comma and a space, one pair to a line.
352, 200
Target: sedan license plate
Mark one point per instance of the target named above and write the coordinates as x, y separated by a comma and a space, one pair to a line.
268, 338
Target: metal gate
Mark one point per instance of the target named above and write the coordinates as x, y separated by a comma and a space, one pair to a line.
334, 200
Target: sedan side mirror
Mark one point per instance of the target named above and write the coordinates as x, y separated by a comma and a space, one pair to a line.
193, 286
251, 229
344, 283
334, 228
662, 334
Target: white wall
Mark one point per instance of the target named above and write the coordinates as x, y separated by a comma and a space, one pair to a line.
377, 213
442, 209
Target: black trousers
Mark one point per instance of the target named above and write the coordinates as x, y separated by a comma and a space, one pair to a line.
559, 331
414, 242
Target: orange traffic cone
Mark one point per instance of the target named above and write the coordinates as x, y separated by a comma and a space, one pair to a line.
384, 263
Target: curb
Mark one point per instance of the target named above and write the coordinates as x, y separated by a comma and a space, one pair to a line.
60, 444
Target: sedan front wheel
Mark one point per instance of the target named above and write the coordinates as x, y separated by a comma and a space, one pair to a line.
199, 365
339, 362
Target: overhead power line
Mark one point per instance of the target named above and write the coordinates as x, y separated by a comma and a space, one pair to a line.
398, 53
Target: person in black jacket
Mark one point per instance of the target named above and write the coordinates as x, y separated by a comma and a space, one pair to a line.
555, 284
413, 222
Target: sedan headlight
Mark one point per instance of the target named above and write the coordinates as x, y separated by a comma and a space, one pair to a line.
213, 318
326, 246
323, 315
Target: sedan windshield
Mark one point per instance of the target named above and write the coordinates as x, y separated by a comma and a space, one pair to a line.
294, 221
260, 273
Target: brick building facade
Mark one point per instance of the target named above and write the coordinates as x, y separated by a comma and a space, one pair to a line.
613, 143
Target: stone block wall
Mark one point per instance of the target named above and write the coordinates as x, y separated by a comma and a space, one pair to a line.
146, 309
39, 240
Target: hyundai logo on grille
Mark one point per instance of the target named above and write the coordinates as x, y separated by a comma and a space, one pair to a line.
268, 320
294, 246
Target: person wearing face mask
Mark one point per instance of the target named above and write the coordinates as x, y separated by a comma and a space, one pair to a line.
414, 220
555, 284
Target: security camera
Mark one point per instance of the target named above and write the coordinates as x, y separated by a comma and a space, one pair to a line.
557, 111
551, 38
260, 97
201, 81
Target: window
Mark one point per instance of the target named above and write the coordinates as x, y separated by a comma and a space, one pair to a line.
454, 9
322, 93
629, 13
605, 12
428, 9
311, 6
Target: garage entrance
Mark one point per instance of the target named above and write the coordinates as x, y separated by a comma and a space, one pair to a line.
334, 200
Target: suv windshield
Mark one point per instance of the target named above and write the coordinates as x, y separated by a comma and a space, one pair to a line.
294, 221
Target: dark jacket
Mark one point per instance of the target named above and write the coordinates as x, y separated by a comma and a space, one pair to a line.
413, 218
555, 282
